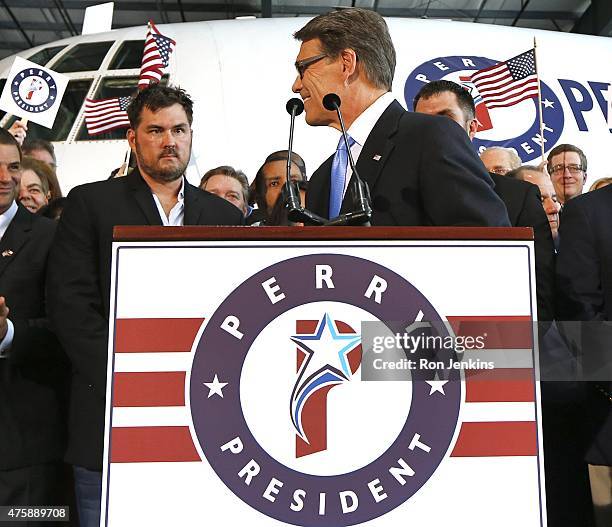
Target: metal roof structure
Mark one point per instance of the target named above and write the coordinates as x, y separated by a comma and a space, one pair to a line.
28, 23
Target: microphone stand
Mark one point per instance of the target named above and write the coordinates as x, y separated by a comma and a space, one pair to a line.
362, 213
295, 212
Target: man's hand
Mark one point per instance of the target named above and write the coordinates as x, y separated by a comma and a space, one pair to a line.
4, 312
19, 131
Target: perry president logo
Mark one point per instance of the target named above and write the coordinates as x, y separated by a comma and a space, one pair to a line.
280, 410
34, 90
517, 127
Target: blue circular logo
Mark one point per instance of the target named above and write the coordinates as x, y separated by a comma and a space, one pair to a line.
220, 388
34, 90
528, 143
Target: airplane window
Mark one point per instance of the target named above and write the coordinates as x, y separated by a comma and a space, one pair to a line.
83, 57
113, 87
129, 55
76, 91
2, 83
43, 56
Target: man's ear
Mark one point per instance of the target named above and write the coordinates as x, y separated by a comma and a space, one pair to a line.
349, 62
472, 128
131, 138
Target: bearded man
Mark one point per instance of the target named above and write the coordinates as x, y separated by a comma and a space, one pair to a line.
155, 193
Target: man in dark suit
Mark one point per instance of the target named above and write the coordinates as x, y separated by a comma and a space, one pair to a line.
566, 492
421, 170
584, 293
31, 365
522, 200
155, 193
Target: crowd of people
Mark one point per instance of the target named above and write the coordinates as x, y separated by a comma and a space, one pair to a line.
421, 170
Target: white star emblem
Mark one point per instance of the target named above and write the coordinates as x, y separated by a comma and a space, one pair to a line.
548, 104
436, 386
325, 363
215, 387
327, 347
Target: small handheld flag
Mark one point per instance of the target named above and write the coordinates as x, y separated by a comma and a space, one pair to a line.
155, 57
508, 83
103, 115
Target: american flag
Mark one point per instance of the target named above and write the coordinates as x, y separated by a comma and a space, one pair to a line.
155, 57
509, 82
103, 115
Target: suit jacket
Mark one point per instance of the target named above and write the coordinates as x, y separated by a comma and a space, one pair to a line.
524, 204
31, 374
427, 174
584, 293
79, 288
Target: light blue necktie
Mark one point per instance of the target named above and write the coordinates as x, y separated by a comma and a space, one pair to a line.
338, 173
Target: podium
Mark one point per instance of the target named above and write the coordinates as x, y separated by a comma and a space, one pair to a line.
323, 377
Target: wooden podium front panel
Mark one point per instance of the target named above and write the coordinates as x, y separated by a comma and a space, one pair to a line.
210, 337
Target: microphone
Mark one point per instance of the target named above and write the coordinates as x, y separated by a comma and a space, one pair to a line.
296, 213
332, 102
295, 106
359, 188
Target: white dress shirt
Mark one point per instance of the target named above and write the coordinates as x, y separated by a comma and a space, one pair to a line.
177, 214
362, 127
5, 219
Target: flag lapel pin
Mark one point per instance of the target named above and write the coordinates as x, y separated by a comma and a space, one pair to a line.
6, 253
376, 157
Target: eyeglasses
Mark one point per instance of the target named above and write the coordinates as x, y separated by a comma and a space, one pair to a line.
560, 169
302, 65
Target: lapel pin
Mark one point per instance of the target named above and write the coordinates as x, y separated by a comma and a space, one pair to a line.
376, 157
6, 253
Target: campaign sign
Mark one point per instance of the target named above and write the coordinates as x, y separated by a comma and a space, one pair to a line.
258, 383
33, 92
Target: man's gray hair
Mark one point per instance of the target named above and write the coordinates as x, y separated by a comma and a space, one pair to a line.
228, 171
361, 30
515, 160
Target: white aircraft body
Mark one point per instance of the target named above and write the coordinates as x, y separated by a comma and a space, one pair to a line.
240, 72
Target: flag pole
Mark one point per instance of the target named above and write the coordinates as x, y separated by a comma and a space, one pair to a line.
125, 165
535, 56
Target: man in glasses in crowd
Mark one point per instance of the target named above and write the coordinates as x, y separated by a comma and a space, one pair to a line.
567, 166
415, 165
499, 160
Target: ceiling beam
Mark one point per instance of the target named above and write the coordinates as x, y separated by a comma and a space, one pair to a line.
266, 8
131, 5
17, 25
16, 45
524, 4
596, 19
438, 13
52, 27
201, 7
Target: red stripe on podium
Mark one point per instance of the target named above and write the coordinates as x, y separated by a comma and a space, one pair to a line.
498, 332
500, 385
150, 444
157, 388
147, 335
496, 439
